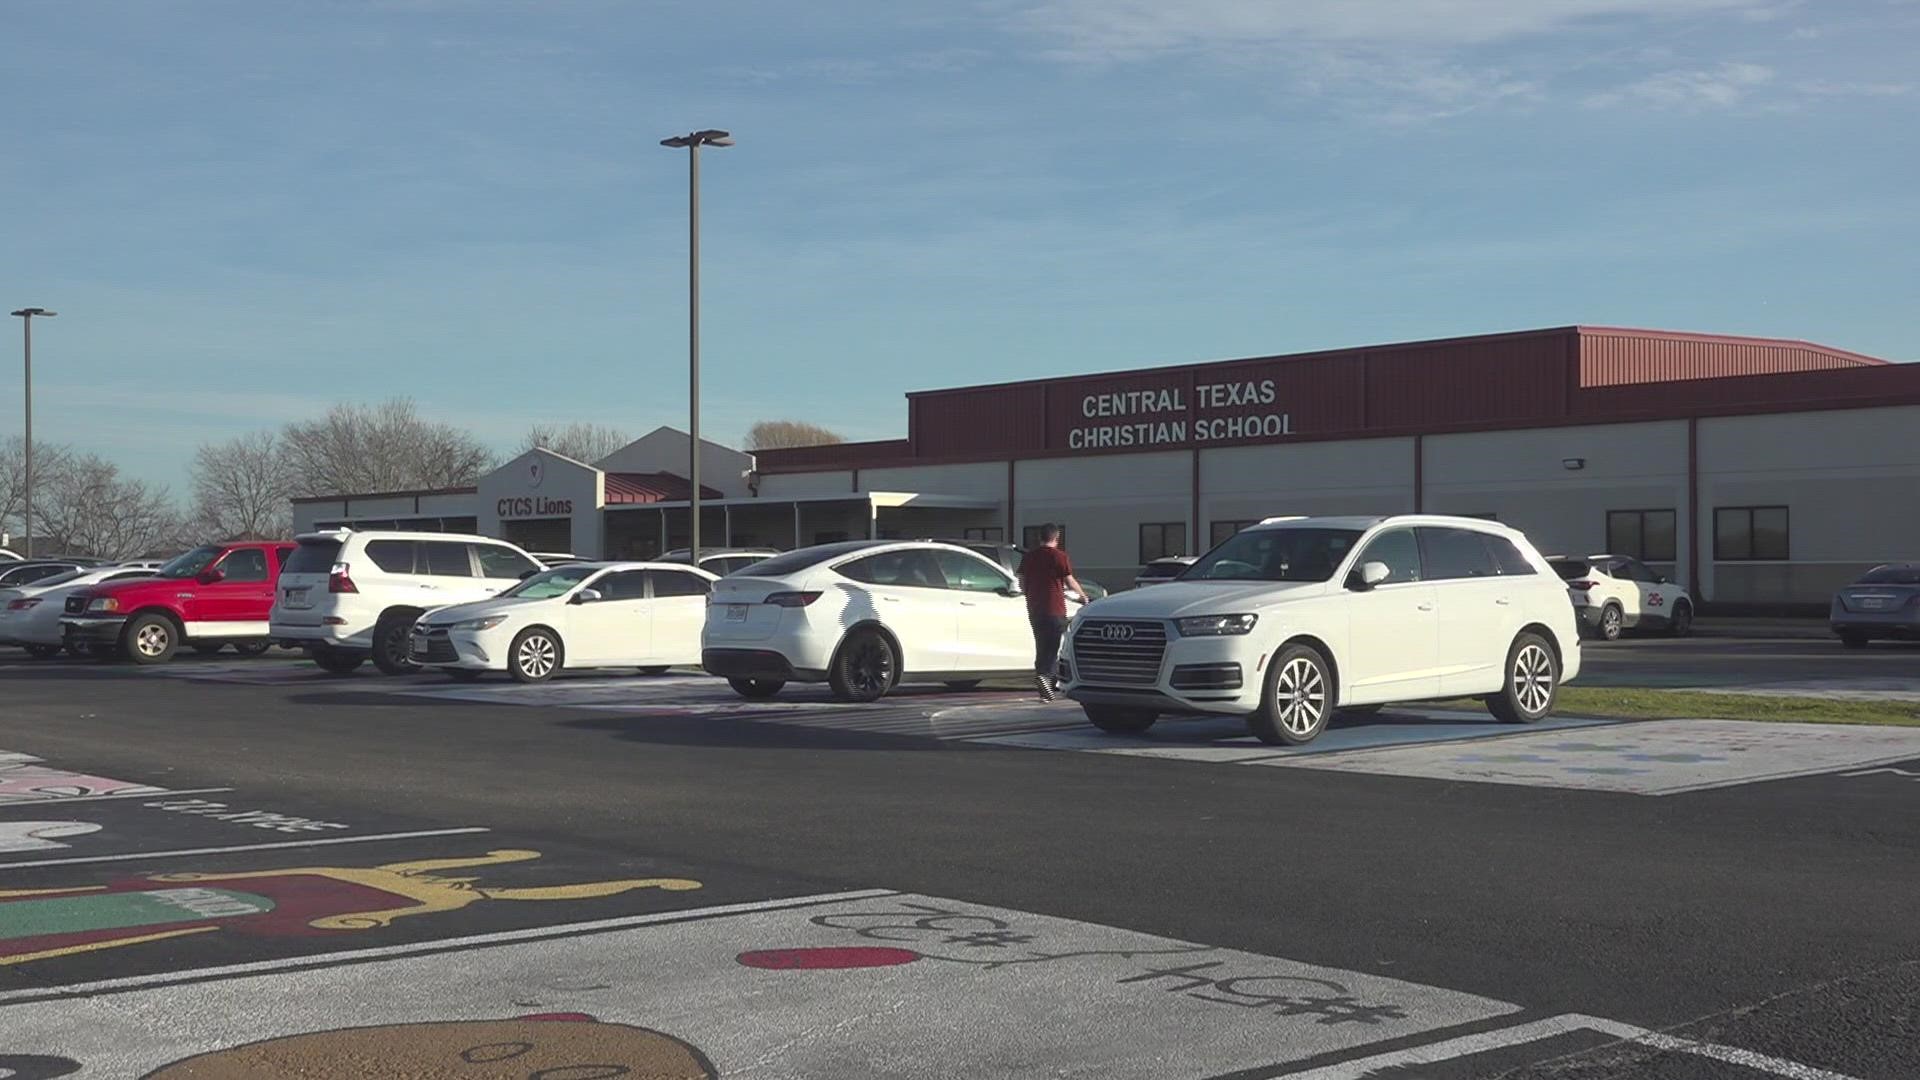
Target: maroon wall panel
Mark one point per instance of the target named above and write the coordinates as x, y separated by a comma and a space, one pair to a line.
1616, 358
1496, 381
991, 419
1892, 384
848, 455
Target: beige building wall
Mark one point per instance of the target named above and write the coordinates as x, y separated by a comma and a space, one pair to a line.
802, 485
1102, 501
1522, 478
517, 491
1850, 481
1247, 483
983, 479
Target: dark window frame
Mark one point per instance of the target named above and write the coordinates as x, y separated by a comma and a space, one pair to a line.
1161, 529
1720, 553
984, 534
1639, 550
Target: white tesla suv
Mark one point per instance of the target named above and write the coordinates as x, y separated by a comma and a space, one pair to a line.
581, 615
1295, 619
864, 615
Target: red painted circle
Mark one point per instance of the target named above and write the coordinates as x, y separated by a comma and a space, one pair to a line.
827, 958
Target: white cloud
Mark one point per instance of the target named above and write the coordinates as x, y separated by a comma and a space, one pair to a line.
1110, 30
1719, 87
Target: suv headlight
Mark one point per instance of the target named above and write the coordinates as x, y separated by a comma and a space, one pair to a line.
1216, 625
487, 623
103, 603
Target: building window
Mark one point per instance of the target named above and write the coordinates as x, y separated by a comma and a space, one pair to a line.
987, 534
1743, 533
1221, 531
1160, 539
1030, 536
1647, 535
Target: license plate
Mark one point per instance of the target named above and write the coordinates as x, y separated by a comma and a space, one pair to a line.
297, 598
736, 613
1875, 602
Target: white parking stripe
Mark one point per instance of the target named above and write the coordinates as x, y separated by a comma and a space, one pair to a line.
132, 856
1467, 1045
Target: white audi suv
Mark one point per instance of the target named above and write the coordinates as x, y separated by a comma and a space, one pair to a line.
1295, 619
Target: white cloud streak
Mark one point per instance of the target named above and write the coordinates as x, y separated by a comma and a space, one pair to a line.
1720, 87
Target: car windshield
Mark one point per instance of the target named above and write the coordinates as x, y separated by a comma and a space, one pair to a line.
1570, 569
190, 564
60, 579
1294, 553
1892, 575
551, 583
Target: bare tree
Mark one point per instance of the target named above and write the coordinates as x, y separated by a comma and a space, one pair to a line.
241, 489
579, 441
51, 464
385, 447
92, 510
781, 434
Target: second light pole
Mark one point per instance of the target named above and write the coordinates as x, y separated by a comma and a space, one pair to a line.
692, 143
27, 315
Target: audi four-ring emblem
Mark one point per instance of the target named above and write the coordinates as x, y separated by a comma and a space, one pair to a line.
1117, 632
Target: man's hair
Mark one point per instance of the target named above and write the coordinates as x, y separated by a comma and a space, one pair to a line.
1049, 533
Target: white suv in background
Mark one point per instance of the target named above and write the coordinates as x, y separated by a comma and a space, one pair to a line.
348, 596
863, 615
1294, 619
1614, 593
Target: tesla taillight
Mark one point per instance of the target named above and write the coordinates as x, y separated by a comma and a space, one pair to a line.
791, 599
338, 581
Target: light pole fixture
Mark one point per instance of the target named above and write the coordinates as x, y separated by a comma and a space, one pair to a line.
26, 316
692, 142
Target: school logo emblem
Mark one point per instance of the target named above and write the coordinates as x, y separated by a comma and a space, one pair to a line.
536, 472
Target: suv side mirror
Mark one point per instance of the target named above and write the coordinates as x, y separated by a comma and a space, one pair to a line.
209, 577
1369, 575
586, 596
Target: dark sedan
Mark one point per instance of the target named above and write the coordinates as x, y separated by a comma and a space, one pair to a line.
1884, 603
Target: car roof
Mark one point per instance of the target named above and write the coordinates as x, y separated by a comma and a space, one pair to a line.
630, 564
343, 535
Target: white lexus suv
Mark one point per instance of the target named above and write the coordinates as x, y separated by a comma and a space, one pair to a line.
1295, 619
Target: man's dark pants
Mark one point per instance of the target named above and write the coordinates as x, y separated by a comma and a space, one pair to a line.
1047, 631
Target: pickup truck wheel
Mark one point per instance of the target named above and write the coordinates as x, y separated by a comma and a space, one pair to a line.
390, 649
338, 661
208, 648
149, 639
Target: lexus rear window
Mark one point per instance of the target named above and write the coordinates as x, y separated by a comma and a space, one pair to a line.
1892, 575
313, 557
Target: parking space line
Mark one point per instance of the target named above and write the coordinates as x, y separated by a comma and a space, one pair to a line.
472, 941
179, 852
60, 800
1538, 1030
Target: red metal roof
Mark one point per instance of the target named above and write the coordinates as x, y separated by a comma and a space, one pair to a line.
625, 488
386, 494
1535, 378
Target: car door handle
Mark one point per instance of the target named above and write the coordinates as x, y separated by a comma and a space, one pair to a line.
891, 599
1502, 601
968, 603
1426, 605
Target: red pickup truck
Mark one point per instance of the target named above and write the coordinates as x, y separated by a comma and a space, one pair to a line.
211, 596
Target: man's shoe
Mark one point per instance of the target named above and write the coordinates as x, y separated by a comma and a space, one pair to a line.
1045, 686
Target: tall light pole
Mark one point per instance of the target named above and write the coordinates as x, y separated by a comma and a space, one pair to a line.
26, 316
692, 142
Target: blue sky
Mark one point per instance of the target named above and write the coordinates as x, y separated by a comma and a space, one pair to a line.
247, 211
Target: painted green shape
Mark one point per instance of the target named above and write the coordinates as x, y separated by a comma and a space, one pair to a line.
117, 911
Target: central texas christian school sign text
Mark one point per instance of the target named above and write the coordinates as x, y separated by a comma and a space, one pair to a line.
1165, 416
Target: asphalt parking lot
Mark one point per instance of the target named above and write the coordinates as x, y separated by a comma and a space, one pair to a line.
207, 865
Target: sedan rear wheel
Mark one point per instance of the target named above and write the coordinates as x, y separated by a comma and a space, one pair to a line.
866, 667
535, 655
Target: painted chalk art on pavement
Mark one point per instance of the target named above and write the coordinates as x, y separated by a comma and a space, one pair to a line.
894, 985
24, 778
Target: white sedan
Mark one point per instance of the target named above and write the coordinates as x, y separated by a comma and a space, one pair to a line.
581, 615
864, 615
30, 614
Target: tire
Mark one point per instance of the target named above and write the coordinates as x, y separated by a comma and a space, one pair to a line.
252, 648
1118, 719
44, 652
756, 689
1854, 640
338, 661
149, 639
964, 684
1612, 622
534, 655
1531, 684
654, 669
390, 648
865, 668
208, 648
1681, 624
1298, 699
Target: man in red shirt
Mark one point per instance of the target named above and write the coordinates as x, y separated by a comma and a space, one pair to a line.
1046, 576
